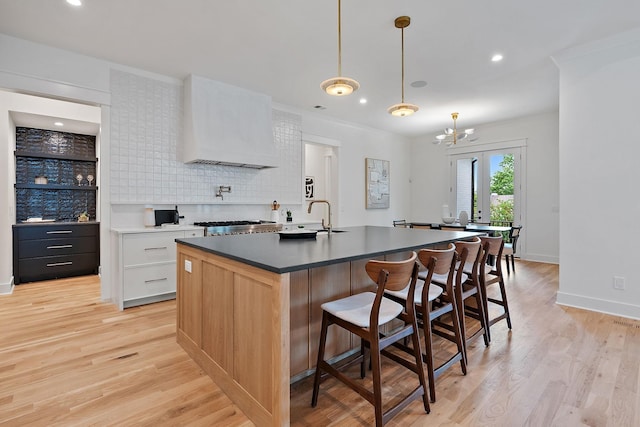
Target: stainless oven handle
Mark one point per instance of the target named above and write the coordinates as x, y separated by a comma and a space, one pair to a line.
60, 232
59, 246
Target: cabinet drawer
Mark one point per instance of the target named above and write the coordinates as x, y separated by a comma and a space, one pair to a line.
56, 231
53, 247
146, 248
140, 282
53, 267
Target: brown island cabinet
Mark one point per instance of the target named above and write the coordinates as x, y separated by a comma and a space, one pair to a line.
248, 306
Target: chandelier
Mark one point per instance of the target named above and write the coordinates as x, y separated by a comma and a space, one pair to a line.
403, 109
339, 86
452, 136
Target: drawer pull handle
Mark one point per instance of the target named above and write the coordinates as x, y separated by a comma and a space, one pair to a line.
59, 246
60, 232
58, 264
155, 280
155, 249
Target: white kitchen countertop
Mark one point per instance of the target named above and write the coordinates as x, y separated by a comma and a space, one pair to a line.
159, 229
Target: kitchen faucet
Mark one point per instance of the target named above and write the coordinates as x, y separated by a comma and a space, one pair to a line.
324, 227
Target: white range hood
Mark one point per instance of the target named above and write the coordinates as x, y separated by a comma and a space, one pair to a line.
227, 125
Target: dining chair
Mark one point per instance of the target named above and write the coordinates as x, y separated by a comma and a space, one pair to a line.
434, 298
491, 273
510, 247
364, 314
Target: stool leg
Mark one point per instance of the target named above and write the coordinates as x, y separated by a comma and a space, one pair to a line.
506, 258
323, 340
417, 352
428, 349
377, 380
513, 263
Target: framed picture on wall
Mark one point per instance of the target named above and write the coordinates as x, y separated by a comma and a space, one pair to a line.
309, 190
377, 183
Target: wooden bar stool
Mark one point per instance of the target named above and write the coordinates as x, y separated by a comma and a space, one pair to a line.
490, 274
363, 314
437, 288
471, 287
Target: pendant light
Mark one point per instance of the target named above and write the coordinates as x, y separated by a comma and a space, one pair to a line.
452, 136
403, 109
339, 86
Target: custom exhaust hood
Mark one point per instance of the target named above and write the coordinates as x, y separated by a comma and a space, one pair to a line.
227, 125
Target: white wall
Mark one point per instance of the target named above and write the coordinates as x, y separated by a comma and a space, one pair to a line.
430, 179
599, 150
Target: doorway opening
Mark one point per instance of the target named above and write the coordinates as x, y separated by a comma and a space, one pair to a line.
321, 175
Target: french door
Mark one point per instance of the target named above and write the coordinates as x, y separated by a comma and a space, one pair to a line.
487, 185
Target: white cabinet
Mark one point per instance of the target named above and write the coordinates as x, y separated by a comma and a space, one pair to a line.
147, 264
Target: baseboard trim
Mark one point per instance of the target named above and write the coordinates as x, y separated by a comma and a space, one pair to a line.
7, 288
614, 308
541, 258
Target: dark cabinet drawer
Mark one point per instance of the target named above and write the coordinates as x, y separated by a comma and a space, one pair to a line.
50, 251
53, 247
54, 231
54, 267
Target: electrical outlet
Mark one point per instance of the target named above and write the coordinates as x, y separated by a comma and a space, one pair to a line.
618, 282
187, 266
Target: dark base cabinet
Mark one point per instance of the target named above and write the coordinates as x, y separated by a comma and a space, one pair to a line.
55, 250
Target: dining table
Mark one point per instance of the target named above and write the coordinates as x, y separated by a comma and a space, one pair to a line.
487, 228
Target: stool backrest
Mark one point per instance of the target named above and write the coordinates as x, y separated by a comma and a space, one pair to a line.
493, 245
473, 246
444, 259
399, 273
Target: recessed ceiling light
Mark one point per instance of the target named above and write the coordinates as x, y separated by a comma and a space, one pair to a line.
75, 2
363, 100
58, 123
497, 57
319, 107
419, 83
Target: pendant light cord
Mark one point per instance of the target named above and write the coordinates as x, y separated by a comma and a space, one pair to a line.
339, 40
402, 65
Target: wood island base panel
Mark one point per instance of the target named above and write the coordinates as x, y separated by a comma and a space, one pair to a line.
233, 320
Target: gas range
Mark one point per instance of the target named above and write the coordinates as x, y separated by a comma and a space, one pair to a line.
218, 228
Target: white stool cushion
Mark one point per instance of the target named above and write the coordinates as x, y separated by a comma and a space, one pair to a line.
356, 309
434, 292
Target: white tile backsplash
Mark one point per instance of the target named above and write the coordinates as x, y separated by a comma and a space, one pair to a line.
146, 134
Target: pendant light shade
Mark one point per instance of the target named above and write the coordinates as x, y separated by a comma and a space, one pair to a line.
339, 86
402, 109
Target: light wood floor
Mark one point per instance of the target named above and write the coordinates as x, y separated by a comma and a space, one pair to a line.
67, 359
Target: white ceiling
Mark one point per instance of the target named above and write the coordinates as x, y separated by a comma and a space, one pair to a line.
285, 48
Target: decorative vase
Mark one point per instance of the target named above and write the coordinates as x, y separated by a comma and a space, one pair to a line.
149, 216
464, 218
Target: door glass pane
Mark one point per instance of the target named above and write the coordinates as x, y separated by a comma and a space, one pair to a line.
501, 172
466, 185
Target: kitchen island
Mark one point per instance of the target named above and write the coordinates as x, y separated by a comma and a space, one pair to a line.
248, 306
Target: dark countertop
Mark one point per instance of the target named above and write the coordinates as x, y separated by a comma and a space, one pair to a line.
43, 223
269, 252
